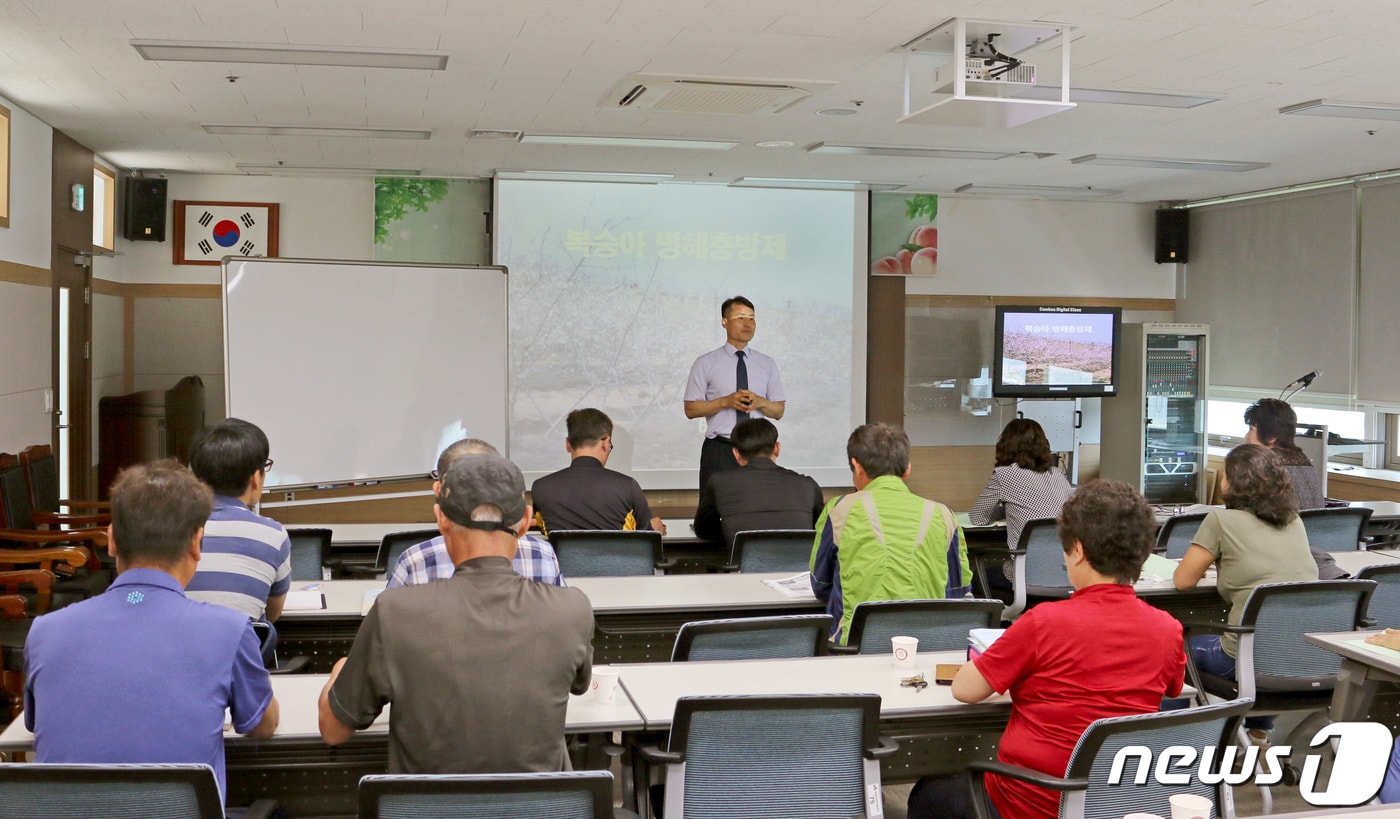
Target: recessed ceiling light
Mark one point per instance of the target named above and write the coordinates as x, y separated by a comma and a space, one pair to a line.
627, 142
279, 169
894, 150
316, 131
776, 143
492, 133
280, 54
1342, 108
811, 184
1168, 164
1039, 191
838, 112
1155, 99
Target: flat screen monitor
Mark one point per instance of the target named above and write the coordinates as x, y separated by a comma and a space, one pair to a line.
1056, 352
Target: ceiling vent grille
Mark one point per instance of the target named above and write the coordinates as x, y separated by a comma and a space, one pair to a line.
710, 95
486, 133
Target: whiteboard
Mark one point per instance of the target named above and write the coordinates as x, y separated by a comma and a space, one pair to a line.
362, 371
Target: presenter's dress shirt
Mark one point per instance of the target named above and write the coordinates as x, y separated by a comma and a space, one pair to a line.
761, 495
428, 561
141, 673
245, 558
587, 495
713, 375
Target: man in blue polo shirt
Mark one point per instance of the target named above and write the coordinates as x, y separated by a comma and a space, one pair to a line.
246, 562
141, 673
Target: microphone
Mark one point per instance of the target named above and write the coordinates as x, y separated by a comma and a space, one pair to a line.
1302, 383
1307, 380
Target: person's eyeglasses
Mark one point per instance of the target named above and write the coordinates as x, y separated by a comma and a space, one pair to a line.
267, 466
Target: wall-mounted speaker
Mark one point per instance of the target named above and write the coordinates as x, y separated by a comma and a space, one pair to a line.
1173, 236
143, 218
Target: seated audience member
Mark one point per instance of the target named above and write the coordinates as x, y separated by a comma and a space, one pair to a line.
1390, 789
1101, 653
478, 667
246, 559
883, 542
585, 494
1273, 424
1257, 538
1025, 485
758, 495
141, 673
428, 561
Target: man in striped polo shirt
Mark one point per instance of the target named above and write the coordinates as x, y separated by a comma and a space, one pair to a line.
246, 558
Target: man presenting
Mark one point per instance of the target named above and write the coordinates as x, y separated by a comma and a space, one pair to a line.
585, 494
730, 384
759, 495
141, 673
478, 667
884, 542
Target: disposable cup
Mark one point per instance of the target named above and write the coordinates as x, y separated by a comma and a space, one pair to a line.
604, 686
1189, 806
1142, 816
905, 648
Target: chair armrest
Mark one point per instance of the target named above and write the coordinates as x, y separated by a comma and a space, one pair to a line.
1367, 622
97, 537
263, 809
1214, 628
653, 753
837, 648
727, 568
885, 749
86, 504
81, 521
1053, 783
666, 563
296, 665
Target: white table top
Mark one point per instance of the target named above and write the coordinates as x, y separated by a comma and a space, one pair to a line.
346, 533
1354, 561
1343, 643
655, 687
685, 592
298, 694
344, 598
1379, 509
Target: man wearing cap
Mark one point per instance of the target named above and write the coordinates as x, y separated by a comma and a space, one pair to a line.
478, 667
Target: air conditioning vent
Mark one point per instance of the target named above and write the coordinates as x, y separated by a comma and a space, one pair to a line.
710, 95
485, 133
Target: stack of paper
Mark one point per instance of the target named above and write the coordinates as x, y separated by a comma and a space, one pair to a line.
799, 585
304, 601
982, 638
370, 597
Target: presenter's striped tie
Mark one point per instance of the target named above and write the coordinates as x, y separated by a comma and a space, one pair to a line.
741, 381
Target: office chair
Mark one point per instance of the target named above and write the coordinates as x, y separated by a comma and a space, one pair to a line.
608, 553
809, 756
295, 665
1174, 538
1383, 609
39, 791
1038, 566
772, 550
391, 547
41, 477
1084, 789
753, 638
564, 795
1336, 529
309, 550
1276, 668
940, 625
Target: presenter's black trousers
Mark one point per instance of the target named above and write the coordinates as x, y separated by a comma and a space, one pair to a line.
716, 455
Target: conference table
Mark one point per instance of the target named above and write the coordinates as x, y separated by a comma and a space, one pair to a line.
1364, 668
311, 778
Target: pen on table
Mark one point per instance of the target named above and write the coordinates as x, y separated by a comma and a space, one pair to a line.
311, 587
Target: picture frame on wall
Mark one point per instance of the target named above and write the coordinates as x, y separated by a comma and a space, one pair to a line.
206, 232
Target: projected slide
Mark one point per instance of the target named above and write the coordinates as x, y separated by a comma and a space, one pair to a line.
615, 290
1050, 349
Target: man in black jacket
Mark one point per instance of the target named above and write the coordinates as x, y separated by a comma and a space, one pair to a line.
759, 495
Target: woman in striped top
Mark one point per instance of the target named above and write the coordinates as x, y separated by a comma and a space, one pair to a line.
1025, 485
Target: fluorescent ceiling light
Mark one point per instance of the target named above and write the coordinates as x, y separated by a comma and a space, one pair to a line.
918, 153
1375, 176
1039, 191
628, 142
1169, 164
588, 176
279, 169
277, 54
811, 184
1342, 108
316, 131
1155, 99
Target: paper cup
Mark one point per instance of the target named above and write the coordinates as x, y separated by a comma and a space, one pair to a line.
1189, 806
904, 650
604, 686
1142, 816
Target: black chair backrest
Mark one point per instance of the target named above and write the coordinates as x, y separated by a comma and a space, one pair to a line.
606, 553
1336, 529
15, 509
1281, 613
39, 791
395, 543
1174, 538
773, 550
1384, 606
41, 473
1210, 726
309, 550
753, 638
563, 795
940, 625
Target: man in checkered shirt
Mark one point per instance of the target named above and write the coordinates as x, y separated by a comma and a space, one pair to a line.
429, 561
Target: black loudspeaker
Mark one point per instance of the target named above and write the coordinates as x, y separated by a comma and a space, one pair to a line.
1173, 236
144, 216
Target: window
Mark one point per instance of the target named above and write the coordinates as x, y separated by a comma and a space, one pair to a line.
104, 207
4, 167
1225, 422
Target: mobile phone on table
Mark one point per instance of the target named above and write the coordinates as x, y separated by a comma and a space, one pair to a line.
943, 673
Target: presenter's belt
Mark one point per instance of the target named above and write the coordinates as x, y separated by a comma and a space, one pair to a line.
721, 439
